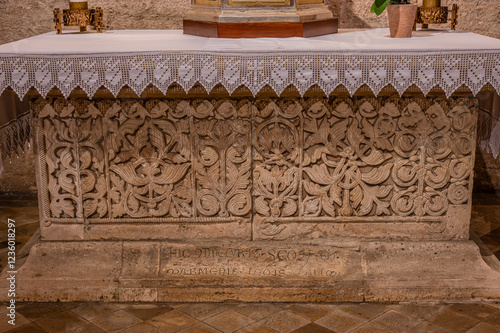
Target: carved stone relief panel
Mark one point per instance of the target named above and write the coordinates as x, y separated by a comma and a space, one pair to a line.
275, 168
62, 163
364, 166
149, 155
223, 159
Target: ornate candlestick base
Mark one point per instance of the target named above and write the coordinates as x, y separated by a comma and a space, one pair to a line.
259, 18
79, 17
436, 15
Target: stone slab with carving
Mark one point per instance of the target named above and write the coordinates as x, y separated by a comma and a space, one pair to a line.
256, 271
256, 199
263, 169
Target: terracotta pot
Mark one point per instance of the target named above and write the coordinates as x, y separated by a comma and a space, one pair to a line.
401, 20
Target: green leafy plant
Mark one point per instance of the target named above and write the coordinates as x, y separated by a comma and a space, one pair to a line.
379, 6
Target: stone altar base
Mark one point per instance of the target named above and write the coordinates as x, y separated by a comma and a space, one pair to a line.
257, 271
197, 198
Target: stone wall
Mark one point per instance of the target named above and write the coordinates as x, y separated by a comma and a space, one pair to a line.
24, 18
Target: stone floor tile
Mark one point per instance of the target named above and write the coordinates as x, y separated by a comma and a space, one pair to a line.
30, 328
9, 213
147, 311
87, 328
116, 321
332, 307
4, 324
21, 240
283, 305
492, 238
365, 310
340, 321
202, 311
6, 202
26, 219
229, 321
142, 328
485, 198
176, 305
285, 321
20, 319
28, 229
256, 328
484, 328
36, 311
199, 328
478, 311
396, 322
370, 328
91, 311
311, 312
427, 327
4, 258
173, 321
493, 319
422, 311
453, 321
20, 305
122, 305
313, 328
257, 311
29, 210
72, 305
61, 322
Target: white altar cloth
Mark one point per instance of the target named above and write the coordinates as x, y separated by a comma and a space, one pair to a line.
136, 59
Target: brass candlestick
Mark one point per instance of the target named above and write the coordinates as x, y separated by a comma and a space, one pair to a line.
432, 12
79, 15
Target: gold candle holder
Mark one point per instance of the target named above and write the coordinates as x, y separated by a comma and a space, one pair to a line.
432, 12
431, 3
74, 5
79, 15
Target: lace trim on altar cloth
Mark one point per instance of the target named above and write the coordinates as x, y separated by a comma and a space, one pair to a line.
14, 136
328, 70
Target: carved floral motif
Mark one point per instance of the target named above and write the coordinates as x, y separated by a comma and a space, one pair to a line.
223, 161
270, 161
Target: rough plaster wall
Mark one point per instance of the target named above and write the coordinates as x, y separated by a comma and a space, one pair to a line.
24, 18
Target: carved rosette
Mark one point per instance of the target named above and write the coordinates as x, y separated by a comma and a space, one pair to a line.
291, 167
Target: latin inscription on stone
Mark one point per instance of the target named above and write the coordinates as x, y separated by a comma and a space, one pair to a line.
256, 261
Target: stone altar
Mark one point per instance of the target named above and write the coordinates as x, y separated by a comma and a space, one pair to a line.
218, 196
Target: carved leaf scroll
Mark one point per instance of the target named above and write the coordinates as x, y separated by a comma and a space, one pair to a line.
273, 161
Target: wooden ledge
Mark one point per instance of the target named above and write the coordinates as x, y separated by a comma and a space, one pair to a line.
260, 29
